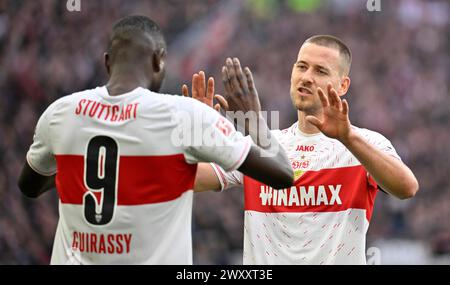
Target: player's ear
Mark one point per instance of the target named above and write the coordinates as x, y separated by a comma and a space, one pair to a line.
159, 57
345, 85
107, 62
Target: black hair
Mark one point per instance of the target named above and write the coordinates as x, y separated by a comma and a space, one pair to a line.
136, 25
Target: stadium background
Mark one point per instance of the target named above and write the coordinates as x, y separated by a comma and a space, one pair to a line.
400, 77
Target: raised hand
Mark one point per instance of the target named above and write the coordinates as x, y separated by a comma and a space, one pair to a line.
204, 93
335, 123
240, 89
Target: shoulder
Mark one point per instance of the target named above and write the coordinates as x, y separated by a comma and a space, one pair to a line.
278, 133
67, 101
74, 97
57, 105
284, 134
174, 102
179, 108
372, 137
192, 108
189, 104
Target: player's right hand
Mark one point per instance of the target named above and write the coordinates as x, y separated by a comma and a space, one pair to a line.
203, 93
240, 89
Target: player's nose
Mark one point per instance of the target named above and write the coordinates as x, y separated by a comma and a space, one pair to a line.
306, 78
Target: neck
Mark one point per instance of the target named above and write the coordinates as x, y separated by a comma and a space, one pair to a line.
304, 126
124, 81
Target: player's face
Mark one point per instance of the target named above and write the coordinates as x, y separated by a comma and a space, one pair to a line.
315, 67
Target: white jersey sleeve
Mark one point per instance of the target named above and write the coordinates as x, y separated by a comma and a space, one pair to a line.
380, 142
206, 136
40, 156
227, 179
234, 178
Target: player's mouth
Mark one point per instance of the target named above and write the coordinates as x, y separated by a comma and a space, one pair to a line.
304, 91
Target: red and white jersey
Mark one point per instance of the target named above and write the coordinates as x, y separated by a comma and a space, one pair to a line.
324, 218
125, 168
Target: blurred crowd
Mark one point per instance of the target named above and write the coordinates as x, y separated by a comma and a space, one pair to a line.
400, 88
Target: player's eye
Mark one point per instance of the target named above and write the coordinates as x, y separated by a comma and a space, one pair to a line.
302, 67
322, 72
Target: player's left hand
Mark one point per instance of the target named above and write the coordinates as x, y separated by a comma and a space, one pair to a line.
240, 90
335, 123
204, 93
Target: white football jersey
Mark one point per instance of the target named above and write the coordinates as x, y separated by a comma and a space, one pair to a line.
125, 168
324, 218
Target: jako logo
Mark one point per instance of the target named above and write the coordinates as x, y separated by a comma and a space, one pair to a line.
306, 148
73, 5
373, 5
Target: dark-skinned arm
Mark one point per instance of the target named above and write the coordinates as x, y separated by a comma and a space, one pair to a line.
33, 184
267, 161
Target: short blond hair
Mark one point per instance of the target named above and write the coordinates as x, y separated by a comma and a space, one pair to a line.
336, 43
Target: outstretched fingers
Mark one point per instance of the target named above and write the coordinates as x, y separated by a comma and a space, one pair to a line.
345, 107
240, 74
335, 100
195, 84
235, 85
323, 98
223, 103
201, 84
314, 121
210, 89
250, 81
185, 90
226, 81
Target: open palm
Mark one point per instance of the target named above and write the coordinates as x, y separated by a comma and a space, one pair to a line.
335, 123
204, 92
